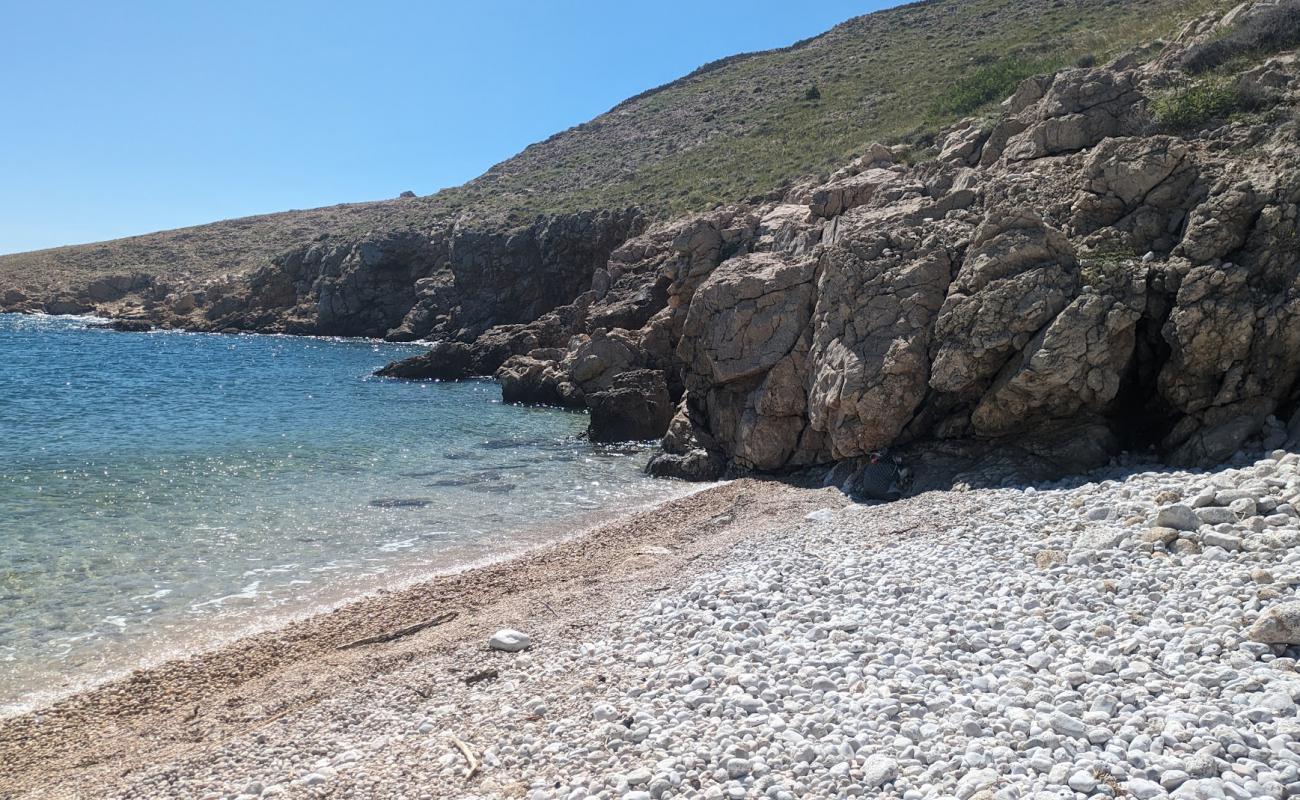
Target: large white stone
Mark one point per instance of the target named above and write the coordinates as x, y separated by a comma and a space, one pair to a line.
509, 640
1179, 517
878, 771
1278, 625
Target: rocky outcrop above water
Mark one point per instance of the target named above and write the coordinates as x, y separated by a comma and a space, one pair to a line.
1069, 268
452, 283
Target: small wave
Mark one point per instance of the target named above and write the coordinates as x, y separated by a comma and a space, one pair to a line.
244, 595
400, 544
161, 593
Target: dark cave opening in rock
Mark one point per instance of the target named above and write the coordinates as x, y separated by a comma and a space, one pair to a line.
1139, 417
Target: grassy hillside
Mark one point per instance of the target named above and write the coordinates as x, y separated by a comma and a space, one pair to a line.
739, 127
748, 125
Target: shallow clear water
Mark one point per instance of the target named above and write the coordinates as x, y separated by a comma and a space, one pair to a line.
162, 490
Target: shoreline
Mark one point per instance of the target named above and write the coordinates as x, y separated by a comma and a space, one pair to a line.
43, 670
425, 343
399, 579
760, 640
141, 718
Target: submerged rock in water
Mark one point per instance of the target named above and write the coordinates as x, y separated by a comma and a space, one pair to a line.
131, 325
462, 455
493, 488
124, 325
401, 502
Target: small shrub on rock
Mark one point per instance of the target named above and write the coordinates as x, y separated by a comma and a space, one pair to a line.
1193, 106
990, 82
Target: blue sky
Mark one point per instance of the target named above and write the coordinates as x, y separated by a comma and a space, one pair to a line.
129, 117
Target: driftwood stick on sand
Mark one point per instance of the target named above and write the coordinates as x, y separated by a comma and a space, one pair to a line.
469, 756
447, 616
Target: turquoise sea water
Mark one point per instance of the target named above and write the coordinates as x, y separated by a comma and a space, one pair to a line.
166, 490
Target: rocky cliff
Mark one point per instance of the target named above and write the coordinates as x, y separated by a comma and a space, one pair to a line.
733, 129
1088, 269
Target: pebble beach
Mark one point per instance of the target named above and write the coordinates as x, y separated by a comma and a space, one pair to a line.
1123, 634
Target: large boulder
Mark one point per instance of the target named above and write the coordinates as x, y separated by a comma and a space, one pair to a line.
636, 407
1077, 110
1278, 625
593, 362
536, 379
1018, 274
963, 143
444, 361
15, 300
67, 304
878, 297
849, 192
687, 452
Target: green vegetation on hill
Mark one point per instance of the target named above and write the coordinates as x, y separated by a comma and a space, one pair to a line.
739, 127
1191, 106
747, 127
991, 82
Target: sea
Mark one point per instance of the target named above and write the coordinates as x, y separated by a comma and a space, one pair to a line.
164, 492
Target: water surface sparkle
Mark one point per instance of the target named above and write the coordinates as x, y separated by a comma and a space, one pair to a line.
163, 489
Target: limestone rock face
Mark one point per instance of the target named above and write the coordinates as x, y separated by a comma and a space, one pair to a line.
1078, 109
1058, 282
743, 349
1018, 275
1221, 224
1074, 364
1233, 333
1134, 193
1049, 284
873, 325
451, 283
745, 318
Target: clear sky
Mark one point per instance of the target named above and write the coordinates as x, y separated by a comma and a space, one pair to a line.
129, 117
